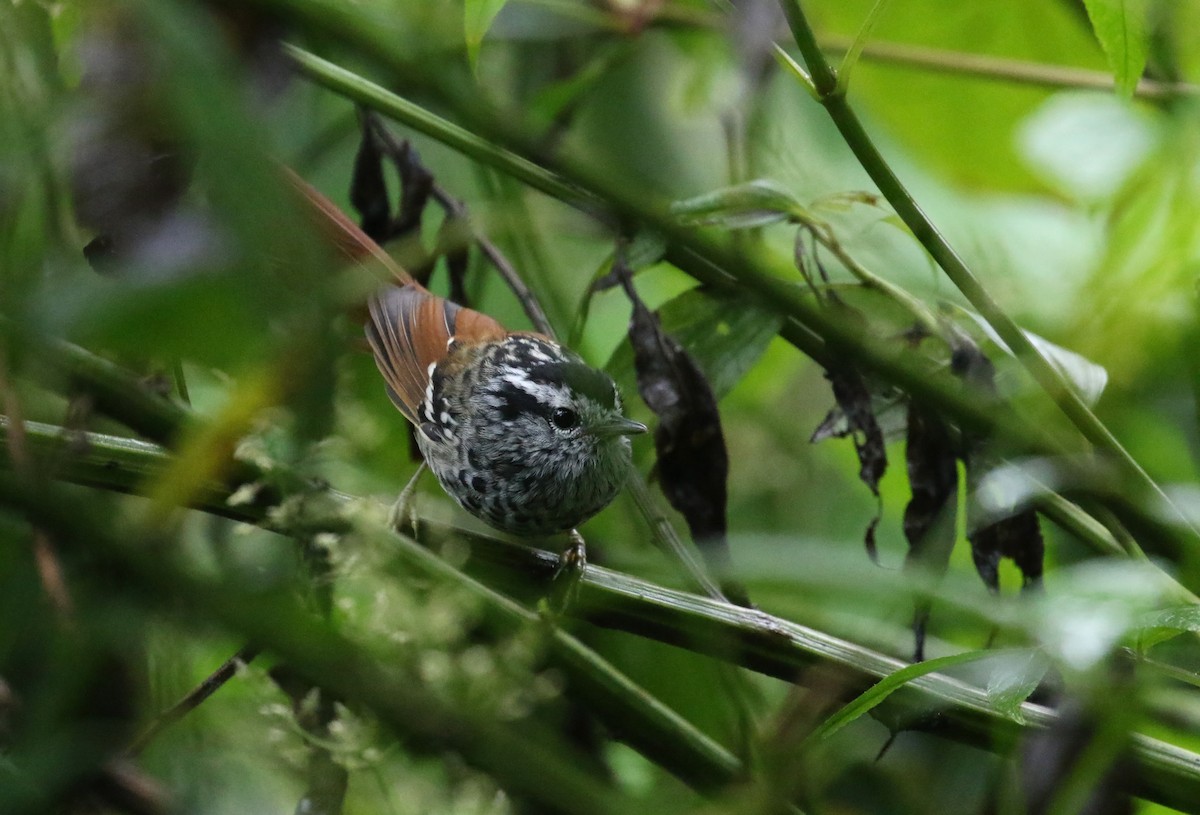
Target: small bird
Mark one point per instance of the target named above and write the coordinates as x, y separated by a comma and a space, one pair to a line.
520, 431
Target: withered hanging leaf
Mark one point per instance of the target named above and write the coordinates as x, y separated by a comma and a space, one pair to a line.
929, 518
851, 393
693, 464
854, 398
416, 183
368, 188
1016, 534
724, 333
1018, 537
890, 409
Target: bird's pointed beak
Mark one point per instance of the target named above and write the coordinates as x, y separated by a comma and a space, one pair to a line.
617, 427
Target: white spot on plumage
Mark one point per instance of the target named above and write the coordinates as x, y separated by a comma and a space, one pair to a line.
427, 404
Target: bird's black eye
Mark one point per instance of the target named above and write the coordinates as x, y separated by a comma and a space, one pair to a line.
564, 418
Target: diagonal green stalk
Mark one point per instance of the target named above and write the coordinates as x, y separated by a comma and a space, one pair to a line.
831, 95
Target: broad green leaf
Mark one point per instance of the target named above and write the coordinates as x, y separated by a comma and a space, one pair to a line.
755, 203
1120, 26
1088, 145
477, 19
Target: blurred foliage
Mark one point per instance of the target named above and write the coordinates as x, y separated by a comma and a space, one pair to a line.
158, 125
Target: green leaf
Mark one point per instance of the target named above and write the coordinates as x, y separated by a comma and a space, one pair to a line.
755, 203
843, 201
1160, 626
1013, 679
554, 99
477, 19
1120, 26
1088, 378
726, 334
885, 687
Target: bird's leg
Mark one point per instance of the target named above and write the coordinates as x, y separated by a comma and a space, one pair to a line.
404, 511
574, 557
571, 565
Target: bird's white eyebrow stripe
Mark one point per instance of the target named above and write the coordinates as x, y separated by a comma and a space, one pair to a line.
519, 380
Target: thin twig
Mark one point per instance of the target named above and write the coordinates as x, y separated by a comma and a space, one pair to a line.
194, 698
1004, 69
528, 300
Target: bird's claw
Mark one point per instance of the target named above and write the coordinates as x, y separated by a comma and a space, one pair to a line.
571, 565
402, 517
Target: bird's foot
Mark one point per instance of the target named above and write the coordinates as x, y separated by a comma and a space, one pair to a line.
402, 517
571, 565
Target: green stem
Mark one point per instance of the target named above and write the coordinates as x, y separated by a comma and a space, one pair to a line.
985, 66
